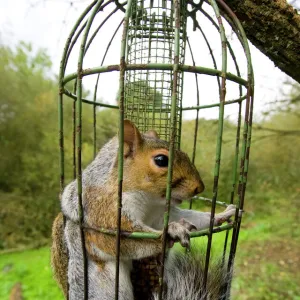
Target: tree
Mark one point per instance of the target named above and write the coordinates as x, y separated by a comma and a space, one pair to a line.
273, 26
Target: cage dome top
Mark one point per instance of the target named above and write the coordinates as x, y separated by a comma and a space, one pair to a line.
164, 49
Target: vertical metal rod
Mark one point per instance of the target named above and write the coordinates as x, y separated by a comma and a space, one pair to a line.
95, 124
243, 172
235, 166
61, 140
74, 133
181, 59
246, 134
197, 115
237, 147
62, 68
219, 140
62, 154
235, 62
121, 142
234, 179
147, 80
242, 184
210, 51
79, 142
97, 82
172, 142
246, 162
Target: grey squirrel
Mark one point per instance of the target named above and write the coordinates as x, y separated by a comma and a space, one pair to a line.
143, 199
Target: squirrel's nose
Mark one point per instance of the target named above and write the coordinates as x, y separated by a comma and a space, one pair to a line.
199, 188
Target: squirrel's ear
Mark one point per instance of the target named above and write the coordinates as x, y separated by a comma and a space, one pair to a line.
132, 138
152, 134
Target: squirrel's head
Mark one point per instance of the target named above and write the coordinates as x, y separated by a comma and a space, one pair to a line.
146, 160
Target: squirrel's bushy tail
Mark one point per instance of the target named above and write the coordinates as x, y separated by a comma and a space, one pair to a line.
184, 273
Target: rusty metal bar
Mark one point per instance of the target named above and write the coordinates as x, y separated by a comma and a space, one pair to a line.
97, 85
219, 138
196, 25
62, 67
74, 136
79, 142
182, 68
121, 142
237, 145
246, 134
178, 14
60, 111
197, 114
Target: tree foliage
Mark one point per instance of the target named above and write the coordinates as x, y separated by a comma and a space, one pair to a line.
26, 97
29, 144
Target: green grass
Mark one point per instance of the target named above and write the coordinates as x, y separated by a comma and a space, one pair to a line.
267, 264
32, 269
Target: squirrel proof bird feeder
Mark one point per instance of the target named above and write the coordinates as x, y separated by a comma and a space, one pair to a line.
174, 59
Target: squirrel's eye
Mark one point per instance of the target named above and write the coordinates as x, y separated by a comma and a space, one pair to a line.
161, 160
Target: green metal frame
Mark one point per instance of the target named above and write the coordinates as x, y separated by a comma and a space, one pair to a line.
153, 49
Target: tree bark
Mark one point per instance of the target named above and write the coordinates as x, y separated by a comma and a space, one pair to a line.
273, 26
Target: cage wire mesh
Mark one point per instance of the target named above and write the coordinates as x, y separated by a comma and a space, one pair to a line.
156, 38
151, 36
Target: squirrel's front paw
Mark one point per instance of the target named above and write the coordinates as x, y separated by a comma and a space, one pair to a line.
179, 232
226, 215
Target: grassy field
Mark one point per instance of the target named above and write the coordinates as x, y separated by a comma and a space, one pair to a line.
268, 261
31, 269
267, 265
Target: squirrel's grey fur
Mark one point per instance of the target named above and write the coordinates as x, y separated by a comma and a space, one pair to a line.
69, 204
91, 175
184, 274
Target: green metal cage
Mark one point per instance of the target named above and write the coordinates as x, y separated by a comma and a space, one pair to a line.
161, 43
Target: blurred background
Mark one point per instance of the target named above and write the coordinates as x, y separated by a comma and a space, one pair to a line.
32, 35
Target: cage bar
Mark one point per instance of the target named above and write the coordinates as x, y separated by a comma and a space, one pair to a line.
121, 97
151, 94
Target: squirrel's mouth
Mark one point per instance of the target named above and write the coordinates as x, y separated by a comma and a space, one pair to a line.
176, 200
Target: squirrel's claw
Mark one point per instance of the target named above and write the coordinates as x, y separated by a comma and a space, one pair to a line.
189, 226
179, 231
226, 215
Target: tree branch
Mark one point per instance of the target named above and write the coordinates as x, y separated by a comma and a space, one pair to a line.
273, 26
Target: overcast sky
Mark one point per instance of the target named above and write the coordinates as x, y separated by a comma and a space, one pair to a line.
46, 23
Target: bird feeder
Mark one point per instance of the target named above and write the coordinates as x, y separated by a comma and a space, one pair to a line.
173, 59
